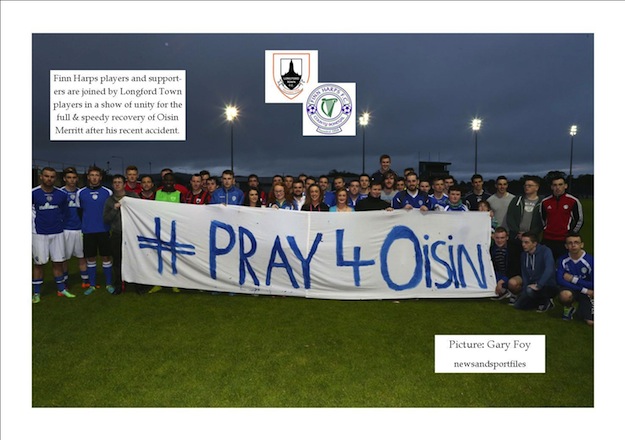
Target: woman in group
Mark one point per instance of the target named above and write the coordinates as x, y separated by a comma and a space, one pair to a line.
280, 199
314, 200
252, 198
341, 201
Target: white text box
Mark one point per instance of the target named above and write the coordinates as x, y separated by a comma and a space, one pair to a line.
489, 353
117, 105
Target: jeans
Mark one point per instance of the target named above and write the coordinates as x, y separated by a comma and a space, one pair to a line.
531, 299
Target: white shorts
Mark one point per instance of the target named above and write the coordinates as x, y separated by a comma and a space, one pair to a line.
48, 247
73, 244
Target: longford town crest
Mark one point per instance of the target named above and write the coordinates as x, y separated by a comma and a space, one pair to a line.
287, 75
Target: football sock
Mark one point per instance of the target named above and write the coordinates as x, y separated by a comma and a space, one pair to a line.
107, 268
91, 271
37, 285
60, 283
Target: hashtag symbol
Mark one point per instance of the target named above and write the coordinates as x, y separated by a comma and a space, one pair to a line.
165, 246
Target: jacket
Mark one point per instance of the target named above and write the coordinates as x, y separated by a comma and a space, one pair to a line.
515, 213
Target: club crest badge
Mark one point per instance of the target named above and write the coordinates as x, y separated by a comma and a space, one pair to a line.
329, 110
288, 74
291, 82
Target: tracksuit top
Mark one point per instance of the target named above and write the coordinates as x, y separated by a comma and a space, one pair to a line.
561, 215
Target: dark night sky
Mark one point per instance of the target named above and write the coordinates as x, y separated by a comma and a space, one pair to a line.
421, 89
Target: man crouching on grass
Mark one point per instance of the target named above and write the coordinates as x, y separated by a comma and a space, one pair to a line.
507, 267
575, 274
539, 275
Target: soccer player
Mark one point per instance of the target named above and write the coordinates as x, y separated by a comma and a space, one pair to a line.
385, 166
196, 195
354, 193
561, 213
438, 197
212, 185
507, 267
299, 197
374, 202
205, 174
449, 182
310, 180
365, 184
478, 194
575, 276
455, 200
277, 179
400, 183
411, 197
168, 192
388, 187
338, 182
324, 185
113, 217
500, 200
227, 193
48, 243
132, 176
91, 200
72, 226
539, 275
147, 188
183, 189
425, 186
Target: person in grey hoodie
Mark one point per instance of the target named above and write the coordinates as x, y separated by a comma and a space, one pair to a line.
539, 275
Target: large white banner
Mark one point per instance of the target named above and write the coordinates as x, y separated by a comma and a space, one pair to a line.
358, 255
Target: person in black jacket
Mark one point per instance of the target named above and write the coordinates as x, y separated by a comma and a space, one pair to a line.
507, 265
373, 202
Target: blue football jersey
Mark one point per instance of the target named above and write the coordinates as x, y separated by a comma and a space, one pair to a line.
91, 202
72, 219
49, 210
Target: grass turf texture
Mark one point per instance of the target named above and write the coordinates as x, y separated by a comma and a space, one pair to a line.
193, 349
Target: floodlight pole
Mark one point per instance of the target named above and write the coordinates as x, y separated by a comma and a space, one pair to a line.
572, 132
232, 145
363, 121
475, 125
231, 114
363, 148
475, 164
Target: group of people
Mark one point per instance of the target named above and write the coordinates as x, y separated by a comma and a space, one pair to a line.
84, 223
